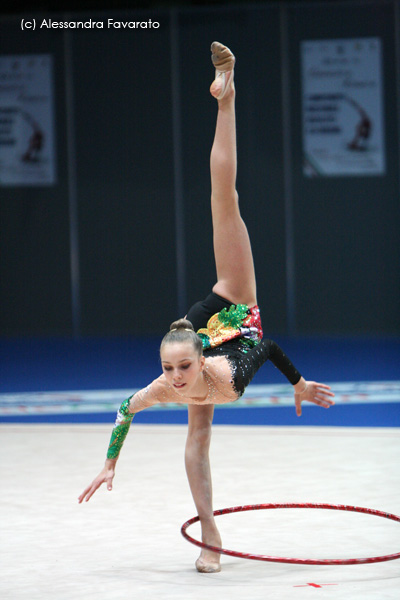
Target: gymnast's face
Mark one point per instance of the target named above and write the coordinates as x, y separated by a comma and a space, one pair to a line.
182, 365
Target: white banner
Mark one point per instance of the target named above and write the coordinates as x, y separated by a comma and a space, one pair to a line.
27, 145
343, 129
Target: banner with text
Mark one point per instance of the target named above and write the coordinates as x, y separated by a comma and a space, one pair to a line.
343, 128
27, 145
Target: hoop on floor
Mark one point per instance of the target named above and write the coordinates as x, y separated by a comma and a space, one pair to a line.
296, 561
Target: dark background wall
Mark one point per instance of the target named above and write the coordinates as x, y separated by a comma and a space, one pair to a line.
134, 127
347, 242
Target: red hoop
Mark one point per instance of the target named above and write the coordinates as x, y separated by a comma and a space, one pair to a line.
296, 561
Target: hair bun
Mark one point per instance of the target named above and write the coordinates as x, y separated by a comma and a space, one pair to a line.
181, 324
182, 332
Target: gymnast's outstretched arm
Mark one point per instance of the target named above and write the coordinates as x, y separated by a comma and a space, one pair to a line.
311, 391
139, 401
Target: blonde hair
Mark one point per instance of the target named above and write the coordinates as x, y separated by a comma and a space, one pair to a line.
181, 331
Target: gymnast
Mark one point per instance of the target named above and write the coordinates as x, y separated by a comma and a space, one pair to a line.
211, 355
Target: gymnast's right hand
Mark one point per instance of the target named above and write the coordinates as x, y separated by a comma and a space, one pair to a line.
105, 476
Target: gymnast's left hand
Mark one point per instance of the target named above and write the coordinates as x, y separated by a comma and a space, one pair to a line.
311, 391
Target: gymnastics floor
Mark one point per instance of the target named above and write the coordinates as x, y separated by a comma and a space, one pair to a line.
127, 543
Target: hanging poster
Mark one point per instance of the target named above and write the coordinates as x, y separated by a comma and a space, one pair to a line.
343, 128
27, 145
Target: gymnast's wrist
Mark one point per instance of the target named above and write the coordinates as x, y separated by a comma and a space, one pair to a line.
111, 462
300, 386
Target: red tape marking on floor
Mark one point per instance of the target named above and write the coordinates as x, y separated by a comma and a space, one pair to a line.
316, 585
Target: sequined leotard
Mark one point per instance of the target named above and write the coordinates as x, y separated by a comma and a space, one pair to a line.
227, 374
234, 351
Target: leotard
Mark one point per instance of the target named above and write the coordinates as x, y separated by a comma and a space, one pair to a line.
234, 351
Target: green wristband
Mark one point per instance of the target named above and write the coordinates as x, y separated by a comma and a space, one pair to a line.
120, 431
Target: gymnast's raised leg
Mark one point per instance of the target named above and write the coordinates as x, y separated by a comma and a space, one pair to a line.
235, 281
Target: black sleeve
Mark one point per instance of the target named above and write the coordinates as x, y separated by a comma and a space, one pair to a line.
248, 365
